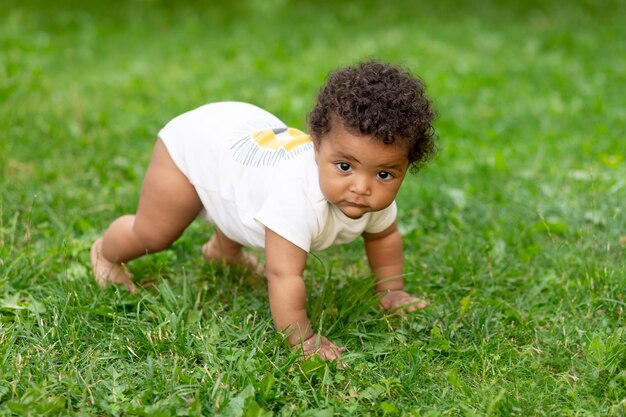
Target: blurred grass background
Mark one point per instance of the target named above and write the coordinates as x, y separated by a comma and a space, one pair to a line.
516, 233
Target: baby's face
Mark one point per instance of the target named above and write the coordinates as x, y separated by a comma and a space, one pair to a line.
359, 174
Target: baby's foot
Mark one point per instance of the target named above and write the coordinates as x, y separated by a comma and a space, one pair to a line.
106, 272
213, 253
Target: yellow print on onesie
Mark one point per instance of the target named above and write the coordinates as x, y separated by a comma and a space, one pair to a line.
267, 147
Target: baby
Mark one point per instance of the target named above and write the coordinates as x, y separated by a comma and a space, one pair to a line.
267, 186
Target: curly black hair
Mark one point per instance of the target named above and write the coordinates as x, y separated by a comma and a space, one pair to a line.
381, 100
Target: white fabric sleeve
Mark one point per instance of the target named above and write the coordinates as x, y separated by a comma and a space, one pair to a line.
381, 220
290, 214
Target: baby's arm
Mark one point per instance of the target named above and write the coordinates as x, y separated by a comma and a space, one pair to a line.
384, 254
284, 264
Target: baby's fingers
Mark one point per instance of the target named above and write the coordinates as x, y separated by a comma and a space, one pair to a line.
416, 304
330, 351
333, 355
334, 346
329, 355
408, 306
126, 280
323, 347
130, 286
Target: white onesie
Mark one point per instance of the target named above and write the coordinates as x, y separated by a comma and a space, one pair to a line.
252, 172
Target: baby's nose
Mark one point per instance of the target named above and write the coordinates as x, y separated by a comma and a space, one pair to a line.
360, 186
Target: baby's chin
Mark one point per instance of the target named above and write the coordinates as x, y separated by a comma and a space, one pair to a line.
353, 212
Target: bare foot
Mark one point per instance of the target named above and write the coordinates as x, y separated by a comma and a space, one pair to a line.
106, 272
212, 252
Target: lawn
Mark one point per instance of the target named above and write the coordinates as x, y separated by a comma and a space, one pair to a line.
515, 233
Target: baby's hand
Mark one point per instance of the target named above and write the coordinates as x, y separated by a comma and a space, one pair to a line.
323, 347
399, 302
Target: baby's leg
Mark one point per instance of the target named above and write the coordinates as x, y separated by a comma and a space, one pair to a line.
167, 205
222, 249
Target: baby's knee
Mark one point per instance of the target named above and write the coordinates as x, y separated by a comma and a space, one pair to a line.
152, 240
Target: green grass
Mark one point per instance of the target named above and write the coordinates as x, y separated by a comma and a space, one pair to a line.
516, 233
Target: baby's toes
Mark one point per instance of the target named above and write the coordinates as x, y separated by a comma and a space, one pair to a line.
252, 263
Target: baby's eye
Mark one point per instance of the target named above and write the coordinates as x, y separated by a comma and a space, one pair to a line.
384, 175
343, 167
